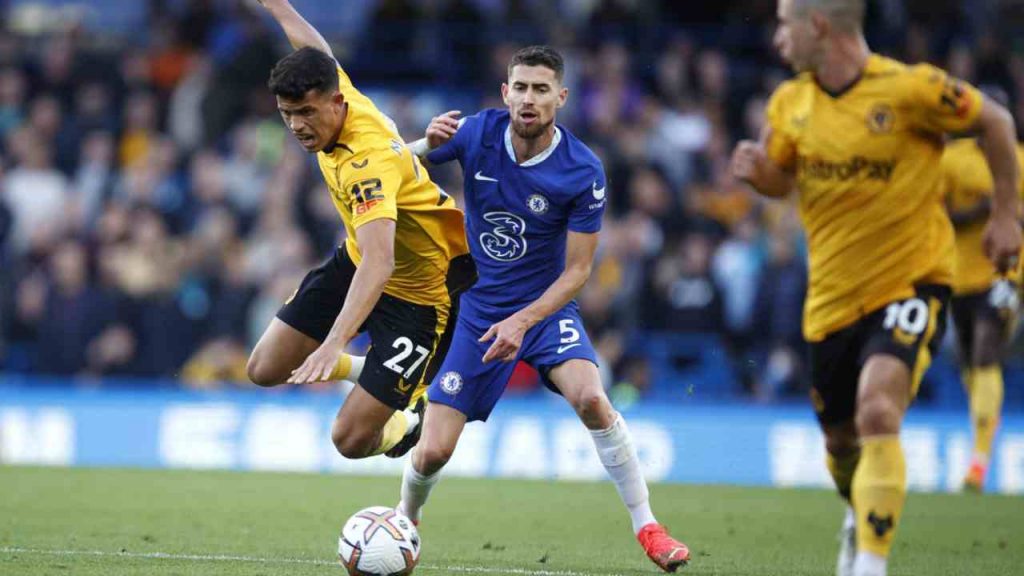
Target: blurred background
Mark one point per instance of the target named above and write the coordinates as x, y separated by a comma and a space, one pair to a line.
154, 213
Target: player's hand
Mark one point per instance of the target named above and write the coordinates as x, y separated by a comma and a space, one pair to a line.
1004, 295
1002, 242
442, 128
748, 161
508, 338
319, 365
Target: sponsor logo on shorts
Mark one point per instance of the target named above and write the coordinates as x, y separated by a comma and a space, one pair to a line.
451, 383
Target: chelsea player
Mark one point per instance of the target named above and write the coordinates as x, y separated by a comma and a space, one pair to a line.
534, 198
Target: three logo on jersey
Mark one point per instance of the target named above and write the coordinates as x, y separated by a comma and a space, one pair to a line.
505, 242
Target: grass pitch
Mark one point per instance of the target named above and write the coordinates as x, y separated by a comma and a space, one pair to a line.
86, 522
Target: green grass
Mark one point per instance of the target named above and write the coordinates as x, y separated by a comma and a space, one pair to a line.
85, 522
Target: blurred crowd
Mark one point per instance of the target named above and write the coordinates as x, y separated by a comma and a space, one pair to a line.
154, 213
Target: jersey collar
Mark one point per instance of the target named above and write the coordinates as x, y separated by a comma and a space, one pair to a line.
539, 157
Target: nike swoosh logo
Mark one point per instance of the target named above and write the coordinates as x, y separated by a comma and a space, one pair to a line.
361, 164
480, 176
598, 192
562, 349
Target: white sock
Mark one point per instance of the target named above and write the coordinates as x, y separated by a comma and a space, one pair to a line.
850, 520
415, 490
618, 454
357, 368
868, 564
412, 419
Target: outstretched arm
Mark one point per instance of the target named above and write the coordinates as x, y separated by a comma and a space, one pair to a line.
997, 140
442, 128
376, 241
300, 33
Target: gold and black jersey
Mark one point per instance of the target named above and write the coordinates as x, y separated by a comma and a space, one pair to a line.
968, 183
371, 174
867, 167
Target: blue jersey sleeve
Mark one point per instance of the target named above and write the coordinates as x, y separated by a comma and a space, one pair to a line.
588, 207
455, 148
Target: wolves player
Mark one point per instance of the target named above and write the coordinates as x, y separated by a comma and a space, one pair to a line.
860, 137
401, 267
535, 196
985, 303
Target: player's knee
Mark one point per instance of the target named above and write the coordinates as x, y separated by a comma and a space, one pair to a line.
841, 444
593, 407
259, 371
351, 443
429, 458
988, 345
878, 415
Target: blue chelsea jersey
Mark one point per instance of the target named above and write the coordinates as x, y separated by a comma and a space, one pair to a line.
518, 215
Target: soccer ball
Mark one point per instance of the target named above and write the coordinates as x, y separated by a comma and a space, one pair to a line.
378, 541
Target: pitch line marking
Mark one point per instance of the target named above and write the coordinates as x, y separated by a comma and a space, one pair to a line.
258, 560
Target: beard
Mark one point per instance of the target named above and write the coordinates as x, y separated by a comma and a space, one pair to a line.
530, 132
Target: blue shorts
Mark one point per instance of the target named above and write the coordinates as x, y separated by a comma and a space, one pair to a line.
468, 385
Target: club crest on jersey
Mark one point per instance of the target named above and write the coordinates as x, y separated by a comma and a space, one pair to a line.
881, 119
537, 204
451, 383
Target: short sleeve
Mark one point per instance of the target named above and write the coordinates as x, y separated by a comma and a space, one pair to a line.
372, 183
779, 142
588, 206
455, 148
940, 102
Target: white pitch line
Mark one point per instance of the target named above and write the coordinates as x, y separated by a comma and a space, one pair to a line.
258, 560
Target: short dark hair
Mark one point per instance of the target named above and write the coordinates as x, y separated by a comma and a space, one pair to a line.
301, 71
539, 56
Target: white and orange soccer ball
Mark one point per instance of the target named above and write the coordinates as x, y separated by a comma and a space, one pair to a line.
378, 541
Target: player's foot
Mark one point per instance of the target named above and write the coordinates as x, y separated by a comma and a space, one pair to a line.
847, 545
401, 510
410, 439
665, 551
975, 479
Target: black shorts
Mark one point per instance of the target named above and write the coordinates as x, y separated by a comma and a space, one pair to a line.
909, 329
969, 309
408, 341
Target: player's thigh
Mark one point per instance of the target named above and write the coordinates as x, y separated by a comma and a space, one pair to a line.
442, 428
280, 350
579, 382
556, 341
303, 321
908, 330
996, 320
464, 382
360, 420
835, 366
963, 313
404, 338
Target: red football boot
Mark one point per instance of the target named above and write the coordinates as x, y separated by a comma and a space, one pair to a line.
665, 551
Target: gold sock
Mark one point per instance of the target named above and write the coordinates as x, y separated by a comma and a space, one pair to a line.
842, 469
879, 490
986, 399
393, 432
342, 369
